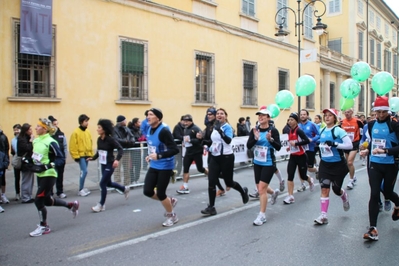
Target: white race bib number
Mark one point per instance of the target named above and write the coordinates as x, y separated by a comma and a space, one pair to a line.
102, 155
380, 144
152, 149
37, 156
325, 150
260, 153
216, 148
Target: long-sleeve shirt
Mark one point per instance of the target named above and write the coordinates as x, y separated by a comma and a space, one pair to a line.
105, 150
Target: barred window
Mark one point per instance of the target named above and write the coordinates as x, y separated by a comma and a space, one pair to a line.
283, 80
250, 83
134, 70
387, 60
204, 81
360, 47
379, 56
34, 74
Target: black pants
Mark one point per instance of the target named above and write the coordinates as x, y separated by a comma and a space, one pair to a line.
299, 161
59, 184
156, 179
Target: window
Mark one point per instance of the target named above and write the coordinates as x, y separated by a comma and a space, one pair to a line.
332, 95
378, 23
283, 80
248, 7
360, 106
360, 7
334, 6
371, 17
395, 65
372, 52
308, 21
310, 101
387, 60
250, 83
379, 55
204, 78
283, 13
360, 52
335, 45
134, 70
34, 74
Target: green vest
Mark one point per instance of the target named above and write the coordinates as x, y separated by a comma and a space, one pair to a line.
41, 148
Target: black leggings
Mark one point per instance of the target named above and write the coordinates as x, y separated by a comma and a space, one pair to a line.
156, 179
377, 173
333, 175
299, 161
44, 197
188, 160
223, 166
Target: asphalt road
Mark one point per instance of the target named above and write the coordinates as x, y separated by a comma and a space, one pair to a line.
131, 233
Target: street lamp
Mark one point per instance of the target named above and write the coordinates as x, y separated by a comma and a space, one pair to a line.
281, 33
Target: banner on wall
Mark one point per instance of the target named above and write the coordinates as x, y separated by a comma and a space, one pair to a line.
36, 27
239, 146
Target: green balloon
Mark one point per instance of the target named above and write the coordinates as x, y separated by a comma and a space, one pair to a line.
274, 110
382, 83
305, 85
346, 103
360, 71
394, 104
350, 88
284, 99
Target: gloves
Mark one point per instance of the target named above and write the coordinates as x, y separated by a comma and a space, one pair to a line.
217, 125
331, 143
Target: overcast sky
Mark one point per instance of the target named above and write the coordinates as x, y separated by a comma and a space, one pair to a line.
394, 5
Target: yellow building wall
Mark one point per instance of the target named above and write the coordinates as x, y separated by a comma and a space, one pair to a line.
88, 63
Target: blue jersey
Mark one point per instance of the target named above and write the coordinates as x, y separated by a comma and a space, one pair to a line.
263, 151
156, 146
382, 138
331, 154
312, 132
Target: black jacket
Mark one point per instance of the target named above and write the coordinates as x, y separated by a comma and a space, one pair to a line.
178, 132
124, 136
196, 147
242, 130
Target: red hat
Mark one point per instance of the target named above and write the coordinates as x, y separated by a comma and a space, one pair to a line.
381, 103
331, 110
263, 107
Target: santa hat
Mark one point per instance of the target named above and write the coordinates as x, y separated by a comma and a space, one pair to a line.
381, 103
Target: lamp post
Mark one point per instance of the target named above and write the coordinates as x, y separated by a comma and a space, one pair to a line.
299, 22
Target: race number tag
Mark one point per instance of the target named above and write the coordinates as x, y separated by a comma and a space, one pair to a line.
102, 157
260, 153
152, 149
325, 150
378, 144
215, 148
186, 140
37, 156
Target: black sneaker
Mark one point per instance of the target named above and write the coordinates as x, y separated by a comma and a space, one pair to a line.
209, 210
245, 197
395, 214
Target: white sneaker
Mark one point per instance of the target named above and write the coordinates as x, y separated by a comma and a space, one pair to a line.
170, 220
322, 219
289, 199
62, 196
126, 192
260, 220
98, 208
1, 209
273, 199
40, 230
87, 190
83, 193
4, 198
350, 184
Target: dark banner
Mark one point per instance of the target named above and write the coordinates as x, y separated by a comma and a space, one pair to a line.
36, 27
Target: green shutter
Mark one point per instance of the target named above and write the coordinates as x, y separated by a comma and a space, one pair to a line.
132, 58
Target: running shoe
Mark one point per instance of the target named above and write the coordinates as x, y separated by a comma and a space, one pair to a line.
346, 204
183, 190
62, 196
273, 199
83, 193
395, 213
220, 193
350, 184
302, 188
255, 194
311, 185
372, 234
126, 192
322, 219
170, 220
209, 210
4, 198
1, 209
282, 185
244, 196
40, 230
98, 208
260, 220
289, 199
75, 209
387, 205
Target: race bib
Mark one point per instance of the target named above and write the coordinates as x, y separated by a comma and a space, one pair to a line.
351, 135
37, 156
102, 157
325, 150
294, 149
216, 148
186, 141
378, 144
260, 153
152, 149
